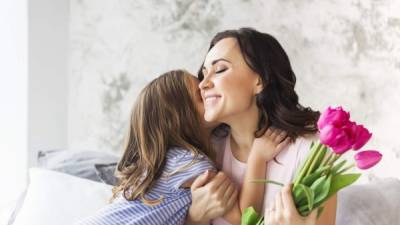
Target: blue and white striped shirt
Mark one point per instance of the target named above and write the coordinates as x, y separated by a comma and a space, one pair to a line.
180, 167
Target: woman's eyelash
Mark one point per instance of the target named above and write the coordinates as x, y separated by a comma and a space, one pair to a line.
221, 70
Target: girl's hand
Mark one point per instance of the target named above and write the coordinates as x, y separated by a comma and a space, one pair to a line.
270, 144
284, 211
212, 196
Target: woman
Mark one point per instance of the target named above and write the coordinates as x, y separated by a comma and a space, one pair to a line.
247, 85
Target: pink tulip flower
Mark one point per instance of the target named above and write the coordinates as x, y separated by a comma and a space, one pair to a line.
339, 139
367, 159
361, 136
335, 116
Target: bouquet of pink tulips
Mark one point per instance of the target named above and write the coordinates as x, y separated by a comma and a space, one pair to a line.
323, 174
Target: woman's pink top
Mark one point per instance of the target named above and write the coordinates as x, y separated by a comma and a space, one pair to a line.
289, 158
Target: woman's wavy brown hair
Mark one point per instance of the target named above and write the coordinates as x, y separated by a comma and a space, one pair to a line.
163, 116
278, 101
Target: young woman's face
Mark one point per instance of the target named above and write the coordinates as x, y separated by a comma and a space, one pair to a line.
229, 85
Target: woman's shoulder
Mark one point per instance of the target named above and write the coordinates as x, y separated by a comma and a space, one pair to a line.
303, 144
309, 137
305, 140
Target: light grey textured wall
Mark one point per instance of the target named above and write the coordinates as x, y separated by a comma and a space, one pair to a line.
344, 52
48, 76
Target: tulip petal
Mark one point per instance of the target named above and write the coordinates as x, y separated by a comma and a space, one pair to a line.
336, 138
367, 159
361, 136
336, 116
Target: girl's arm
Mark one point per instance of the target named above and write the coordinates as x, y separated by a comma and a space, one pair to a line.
212, 196
251, 194
264, 149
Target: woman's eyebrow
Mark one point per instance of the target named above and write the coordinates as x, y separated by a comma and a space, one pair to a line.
220, 59
215, 61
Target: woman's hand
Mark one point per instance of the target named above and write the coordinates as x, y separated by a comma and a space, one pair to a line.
212, 196
269, 144
284, 211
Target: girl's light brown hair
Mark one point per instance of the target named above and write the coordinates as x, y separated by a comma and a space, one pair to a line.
163, 116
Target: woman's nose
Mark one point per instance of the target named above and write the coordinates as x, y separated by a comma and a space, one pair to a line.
205, 84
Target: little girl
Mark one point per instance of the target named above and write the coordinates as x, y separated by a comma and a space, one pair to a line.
167, 147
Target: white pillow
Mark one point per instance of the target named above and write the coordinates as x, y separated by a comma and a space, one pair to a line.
58, 198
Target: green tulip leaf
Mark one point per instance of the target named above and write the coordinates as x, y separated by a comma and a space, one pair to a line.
250, 217
300, 191
260, 221
299, 195
310, 179
337, 182
321, 188
340, 181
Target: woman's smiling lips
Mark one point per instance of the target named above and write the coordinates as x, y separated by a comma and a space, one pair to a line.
211, 99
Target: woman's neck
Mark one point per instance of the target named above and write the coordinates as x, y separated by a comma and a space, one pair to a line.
242, 129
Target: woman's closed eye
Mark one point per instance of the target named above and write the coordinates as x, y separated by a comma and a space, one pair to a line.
220, 70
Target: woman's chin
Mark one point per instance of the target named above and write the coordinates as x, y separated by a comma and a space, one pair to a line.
210, 118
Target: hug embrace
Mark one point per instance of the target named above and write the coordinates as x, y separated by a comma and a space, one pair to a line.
196, 143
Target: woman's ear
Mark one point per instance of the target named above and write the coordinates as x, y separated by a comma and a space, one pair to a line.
259, 86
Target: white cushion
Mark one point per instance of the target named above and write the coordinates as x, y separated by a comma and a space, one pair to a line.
58, 198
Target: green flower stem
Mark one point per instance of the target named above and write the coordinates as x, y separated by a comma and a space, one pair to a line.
267, 182
335, 158
346, 168
332, 158
307, 164
327, 159
315, 160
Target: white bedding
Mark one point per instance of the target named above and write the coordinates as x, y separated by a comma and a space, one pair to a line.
370, 204
57, 198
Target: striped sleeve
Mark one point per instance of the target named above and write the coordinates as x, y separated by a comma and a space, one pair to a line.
183, 166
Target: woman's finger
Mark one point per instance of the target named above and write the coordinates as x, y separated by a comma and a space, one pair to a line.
312, 216
221, 189
268, 132
284, 143
274, 133
200, 180
281, 136
229, 190
218, 180
270, 217
278, 212
278, 203
232, 199
287, 199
